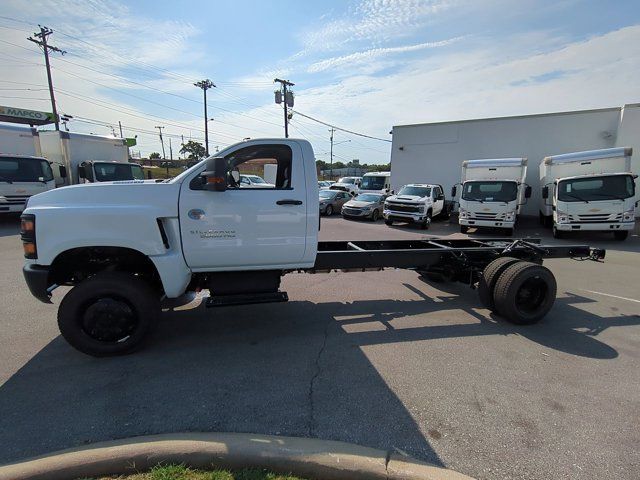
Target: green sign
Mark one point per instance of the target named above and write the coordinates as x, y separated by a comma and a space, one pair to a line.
21, 115
131, 142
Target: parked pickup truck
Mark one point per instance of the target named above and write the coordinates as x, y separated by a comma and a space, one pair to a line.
125, 246
417, 203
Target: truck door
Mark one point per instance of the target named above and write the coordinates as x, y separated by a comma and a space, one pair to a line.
247, 227
438, 200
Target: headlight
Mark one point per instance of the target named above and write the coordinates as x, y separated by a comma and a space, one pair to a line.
421, 209
510, 216
562, 217
463, 213
629, 216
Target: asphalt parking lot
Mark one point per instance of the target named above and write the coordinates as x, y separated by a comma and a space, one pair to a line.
382, 359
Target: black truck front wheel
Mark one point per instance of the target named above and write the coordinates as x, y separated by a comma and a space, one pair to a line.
111, 313
525, 292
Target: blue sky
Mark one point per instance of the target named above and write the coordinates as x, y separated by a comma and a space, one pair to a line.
364, 65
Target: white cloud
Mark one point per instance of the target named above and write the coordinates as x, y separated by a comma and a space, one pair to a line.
372, 54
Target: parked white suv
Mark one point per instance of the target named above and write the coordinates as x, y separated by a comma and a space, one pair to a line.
348, 184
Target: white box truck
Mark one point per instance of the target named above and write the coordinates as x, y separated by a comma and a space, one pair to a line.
90, 158
23, 171
493, 190
592, 190
376, 182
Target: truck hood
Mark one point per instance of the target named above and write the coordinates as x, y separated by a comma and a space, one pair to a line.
594, 207
493, 207
163, 197
23, 188
407, 198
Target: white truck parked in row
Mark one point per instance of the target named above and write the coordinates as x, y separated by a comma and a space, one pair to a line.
89, 158
492, 192
124, 246
347, 184
592, 190
376, 182
416, 203
23, 170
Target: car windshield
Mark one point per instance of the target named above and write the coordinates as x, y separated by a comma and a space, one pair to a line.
109, 172
373, 183
347, 180
327, 193
16, 169
368, 197
417, 191
601, 188
490, 191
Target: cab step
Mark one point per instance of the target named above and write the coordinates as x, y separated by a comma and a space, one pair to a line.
246, 299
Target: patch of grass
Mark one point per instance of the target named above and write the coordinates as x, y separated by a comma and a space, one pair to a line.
180, 472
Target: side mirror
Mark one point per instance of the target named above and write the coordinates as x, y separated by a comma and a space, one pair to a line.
453, 191
63, 171
527, 192
545, 192
81, 173
215, 174
235, 173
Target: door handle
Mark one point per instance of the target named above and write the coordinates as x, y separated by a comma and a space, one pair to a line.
289, 202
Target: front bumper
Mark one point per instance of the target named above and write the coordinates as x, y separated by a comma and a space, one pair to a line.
595, 227
404, 216
37, 278
486, 223
12, 208
356, 213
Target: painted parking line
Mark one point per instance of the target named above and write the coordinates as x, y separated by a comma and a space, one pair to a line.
612, 296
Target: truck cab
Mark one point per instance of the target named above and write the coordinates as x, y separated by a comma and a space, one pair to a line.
376, 182
94, 171
22, 176
493, 190
347, 184
600, 198
415, 203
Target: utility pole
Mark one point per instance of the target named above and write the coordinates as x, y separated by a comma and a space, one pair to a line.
331, 161
205, 85
170, 156
42, 42
286, 98
162, 142
120, 125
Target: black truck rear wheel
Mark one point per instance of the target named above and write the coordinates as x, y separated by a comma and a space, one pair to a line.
490, 277
111, 313
525, 292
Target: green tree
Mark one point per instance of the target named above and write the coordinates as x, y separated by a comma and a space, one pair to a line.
194, 149
154, 155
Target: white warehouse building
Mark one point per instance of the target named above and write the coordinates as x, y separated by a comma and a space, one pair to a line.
434, 152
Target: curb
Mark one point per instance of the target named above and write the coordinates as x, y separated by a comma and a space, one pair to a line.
306, 457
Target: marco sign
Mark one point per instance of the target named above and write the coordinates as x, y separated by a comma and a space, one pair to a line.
21, 115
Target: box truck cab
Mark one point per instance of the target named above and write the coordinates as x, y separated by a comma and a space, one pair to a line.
376, 182
22, 176
492, 192
592, 190
90, 171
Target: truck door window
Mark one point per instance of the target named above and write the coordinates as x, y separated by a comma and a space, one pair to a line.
254, 163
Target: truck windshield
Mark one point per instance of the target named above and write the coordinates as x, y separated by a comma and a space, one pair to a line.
417, 191
490, 191
17, 169
109, 172
372, 183
599, 188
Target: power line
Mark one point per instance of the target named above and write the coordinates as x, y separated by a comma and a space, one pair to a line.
339, 128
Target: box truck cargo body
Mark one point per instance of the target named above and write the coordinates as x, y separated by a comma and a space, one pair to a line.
592, 190
89, 158
492, 192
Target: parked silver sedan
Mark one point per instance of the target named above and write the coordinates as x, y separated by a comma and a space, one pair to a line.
332, 200
365, 205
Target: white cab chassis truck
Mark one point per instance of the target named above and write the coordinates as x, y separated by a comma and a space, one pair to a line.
376, 182
592, 190
89, 158
492, 192
123, 247
23, 170
417, 203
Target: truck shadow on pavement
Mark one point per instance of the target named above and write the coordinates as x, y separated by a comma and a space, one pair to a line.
9, 224
294, 369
